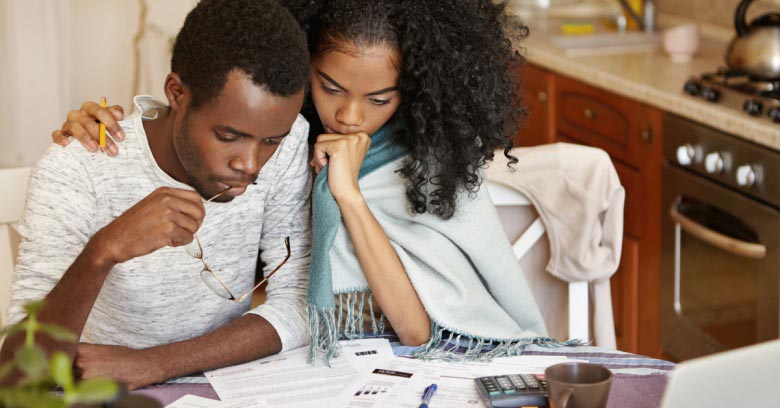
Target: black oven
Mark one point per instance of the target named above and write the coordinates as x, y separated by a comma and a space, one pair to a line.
721, 241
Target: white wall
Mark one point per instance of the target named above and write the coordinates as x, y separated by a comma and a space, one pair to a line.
55, 54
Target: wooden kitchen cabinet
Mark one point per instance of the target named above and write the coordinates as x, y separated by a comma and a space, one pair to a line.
630, 132
536, 88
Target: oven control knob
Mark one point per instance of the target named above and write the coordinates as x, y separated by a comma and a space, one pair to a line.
753, 107
685, 154
710, 94
774, 114
692, 87
746, 176
713, 163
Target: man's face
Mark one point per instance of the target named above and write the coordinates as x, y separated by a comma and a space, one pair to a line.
226, 142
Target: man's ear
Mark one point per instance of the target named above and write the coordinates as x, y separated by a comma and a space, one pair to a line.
175, 91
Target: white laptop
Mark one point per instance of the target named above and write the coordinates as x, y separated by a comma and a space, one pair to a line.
745, 377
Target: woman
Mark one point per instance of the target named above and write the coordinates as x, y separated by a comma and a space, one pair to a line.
431, 82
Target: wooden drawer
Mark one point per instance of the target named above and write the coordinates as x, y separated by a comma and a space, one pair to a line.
598, 118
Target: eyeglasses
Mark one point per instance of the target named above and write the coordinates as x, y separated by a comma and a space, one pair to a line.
213, 281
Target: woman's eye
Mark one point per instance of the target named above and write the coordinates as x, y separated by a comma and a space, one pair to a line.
379, 101
272, 142
332, 91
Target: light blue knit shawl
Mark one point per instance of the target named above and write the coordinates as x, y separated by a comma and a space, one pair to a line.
463, 269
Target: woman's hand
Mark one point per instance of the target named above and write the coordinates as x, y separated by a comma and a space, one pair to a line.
344, 155
83, 126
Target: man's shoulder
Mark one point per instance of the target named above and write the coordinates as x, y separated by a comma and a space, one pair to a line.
300, 130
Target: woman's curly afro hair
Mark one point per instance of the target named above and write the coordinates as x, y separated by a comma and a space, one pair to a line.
459, 99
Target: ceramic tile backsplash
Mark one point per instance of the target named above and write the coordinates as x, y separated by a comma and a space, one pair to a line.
720, 12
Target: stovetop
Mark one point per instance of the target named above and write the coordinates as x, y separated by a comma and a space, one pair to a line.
758, 98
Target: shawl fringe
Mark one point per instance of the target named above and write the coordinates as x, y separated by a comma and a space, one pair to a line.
327, 328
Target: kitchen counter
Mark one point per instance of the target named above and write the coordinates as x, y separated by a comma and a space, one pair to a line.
651, 78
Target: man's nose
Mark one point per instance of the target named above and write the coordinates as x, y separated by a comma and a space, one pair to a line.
247, 162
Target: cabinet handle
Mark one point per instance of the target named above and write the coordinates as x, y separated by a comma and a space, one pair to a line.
589, 113
542, 96
647, 135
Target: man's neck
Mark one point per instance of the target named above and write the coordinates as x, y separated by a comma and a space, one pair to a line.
159, 133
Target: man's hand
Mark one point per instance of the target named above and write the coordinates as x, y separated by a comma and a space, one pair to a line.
166, 217
132, 367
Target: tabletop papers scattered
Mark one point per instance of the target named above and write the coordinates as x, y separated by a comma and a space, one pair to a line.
366, 374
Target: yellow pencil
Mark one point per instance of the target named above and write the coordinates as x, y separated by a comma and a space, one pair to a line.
102, 127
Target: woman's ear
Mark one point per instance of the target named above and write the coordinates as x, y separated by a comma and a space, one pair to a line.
175, 91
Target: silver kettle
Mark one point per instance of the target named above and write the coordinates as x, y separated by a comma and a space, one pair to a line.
755, 50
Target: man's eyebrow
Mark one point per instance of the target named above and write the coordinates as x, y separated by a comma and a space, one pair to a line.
331, 80
237, 132
234, 131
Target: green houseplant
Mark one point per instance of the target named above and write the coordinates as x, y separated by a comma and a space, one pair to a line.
40, 375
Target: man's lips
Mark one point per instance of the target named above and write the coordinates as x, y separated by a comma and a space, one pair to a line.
234, 189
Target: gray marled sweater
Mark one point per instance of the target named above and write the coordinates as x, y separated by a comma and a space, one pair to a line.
160, 298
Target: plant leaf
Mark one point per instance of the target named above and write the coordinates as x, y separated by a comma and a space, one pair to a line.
31, 360
20, 397
60, 367
58, 332
94, 390
6, 369
33, 308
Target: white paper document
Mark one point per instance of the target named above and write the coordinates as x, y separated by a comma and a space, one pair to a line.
399, 382
288, 380
193, 401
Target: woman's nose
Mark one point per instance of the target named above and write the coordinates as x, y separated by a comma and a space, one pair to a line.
350, 115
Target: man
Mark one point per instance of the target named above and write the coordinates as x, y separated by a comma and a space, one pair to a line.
102, 236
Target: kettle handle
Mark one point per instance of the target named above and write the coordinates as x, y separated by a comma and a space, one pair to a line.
740, 22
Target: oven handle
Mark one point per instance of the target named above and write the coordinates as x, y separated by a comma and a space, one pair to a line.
724, 242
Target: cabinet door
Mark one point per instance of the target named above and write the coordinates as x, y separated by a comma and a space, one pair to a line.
535, 88
625, 292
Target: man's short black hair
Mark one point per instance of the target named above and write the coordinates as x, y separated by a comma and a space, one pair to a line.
259, 37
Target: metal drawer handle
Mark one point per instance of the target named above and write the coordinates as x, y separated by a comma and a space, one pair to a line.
726, 243
542, 96
589, 113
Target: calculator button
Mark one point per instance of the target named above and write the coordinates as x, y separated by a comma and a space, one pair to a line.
517, 381
530, 379
505, 384
509, 392
495, 393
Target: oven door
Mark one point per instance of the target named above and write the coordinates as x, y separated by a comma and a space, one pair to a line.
720, 267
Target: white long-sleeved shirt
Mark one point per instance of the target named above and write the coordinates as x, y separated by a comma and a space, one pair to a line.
160, 298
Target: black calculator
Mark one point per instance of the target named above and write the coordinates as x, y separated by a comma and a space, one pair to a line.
513, 390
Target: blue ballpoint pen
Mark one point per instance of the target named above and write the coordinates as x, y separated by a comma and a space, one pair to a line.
428, 394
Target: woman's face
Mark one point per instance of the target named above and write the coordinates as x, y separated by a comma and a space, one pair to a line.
355, 90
